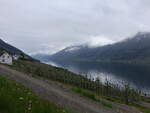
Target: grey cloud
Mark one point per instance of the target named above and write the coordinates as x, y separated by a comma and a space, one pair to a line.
50, 25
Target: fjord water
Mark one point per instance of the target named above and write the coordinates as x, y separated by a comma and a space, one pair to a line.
137, 75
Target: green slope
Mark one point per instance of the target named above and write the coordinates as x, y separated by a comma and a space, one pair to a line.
15, 98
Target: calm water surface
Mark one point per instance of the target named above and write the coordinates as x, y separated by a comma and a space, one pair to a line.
137, 75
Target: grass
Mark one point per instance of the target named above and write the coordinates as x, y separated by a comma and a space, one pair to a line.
91, 96
85, 93
142, 108
15, 98
106, 104
146, 99
113, 99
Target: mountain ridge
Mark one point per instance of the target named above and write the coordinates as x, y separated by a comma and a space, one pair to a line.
136, 47
11, 49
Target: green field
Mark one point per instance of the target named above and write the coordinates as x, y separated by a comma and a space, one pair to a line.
15, 98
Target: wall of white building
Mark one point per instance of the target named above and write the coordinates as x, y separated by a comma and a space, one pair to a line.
15, 57
6, 59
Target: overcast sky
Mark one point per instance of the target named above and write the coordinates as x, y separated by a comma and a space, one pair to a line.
46, 26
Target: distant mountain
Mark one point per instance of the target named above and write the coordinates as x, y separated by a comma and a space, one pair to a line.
11, 49
42, 57
137, 47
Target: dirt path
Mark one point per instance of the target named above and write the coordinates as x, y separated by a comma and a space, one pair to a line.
57, 94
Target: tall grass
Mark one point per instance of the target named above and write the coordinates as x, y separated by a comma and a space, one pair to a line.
15, 98
91, 96
142, 108
85, 93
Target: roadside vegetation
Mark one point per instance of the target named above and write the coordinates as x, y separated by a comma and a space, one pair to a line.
142, 108
85, 93
84, 85
92, 96
15, 98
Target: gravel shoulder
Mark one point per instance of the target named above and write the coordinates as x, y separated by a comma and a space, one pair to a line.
58, 94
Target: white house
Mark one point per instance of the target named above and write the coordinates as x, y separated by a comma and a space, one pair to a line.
15, 57
6, 58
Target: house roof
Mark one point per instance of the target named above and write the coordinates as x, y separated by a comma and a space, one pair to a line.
2, 51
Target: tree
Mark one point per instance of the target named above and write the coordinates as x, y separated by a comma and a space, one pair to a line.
126, 93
